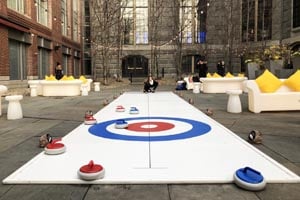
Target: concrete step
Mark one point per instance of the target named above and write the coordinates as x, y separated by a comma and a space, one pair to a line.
16, 87
138, 80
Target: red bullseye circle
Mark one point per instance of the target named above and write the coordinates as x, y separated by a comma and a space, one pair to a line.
150, 126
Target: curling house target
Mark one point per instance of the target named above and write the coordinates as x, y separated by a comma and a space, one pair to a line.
148, 126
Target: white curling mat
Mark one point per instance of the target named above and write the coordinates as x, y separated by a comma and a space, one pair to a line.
175, 154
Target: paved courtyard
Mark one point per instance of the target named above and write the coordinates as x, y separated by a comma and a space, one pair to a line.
59, 115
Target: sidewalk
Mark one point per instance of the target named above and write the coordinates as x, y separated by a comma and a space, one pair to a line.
59, 115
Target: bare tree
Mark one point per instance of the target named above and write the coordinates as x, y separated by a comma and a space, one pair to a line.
231, 29
106, 25
157, 8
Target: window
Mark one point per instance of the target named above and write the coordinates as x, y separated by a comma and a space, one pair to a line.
44, 48
75, 20
256, 28
135, 21
248, 21
17, 60
43, 62
64, 22
193, 21
42, 11
264, 20
201, 20
17, 5
65, 61
296, 13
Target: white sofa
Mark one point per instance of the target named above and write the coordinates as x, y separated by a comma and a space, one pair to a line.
189, 84
222, 84
61, 88
283, 99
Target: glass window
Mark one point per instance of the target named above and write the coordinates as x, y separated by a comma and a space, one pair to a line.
248, 21
141, 26
135, 21
264, 20
17, 5
260, 28
128, 26
43, 62
17, 60
201, 16
64, 22
42, 11
193, 21
75, 20
296, 13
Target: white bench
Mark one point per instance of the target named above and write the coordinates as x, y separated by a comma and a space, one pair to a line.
222, 84
61, 88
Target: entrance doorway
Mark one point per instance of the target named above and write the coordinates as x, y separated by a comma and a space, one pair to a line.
134, 66
189, 63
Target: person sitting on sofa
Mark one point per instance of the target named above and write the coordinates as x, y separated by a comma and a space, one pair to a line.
150, 85
181, 84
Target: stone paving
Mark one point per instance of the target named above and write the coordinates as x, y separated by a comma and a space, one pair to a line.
59, 115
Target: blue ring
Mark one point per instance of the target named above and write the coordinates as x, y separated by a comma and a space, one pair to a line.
199, 128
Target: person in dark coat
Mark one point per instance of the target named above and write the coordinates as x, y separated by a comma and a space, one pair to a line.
221, 68
58, 71
150, 85
202, 67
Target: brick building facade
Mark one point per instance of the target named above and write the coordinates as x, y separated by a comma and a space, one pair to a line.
37, 34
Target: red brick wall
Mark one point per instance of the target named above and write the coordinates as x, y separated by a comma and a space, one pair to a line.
53, 33
4, 53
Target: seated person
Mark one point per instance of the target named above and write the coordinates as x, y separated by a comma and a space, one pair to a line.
181, 85
196, 79
150, 85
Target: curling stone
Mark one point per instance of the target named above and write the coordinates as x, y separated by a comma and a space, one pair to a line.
209, 112
91, 171
105, 102
249, 179
133, 110
54, 148
121, 123
191, 101
255, 137
89, 118
44, 140
120, 109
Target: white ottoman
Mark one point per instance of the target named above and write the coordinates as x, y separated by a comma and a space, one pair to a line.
234, 102
84, 90
14, 110
196, 88
97, 86
3, 89
33, 90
